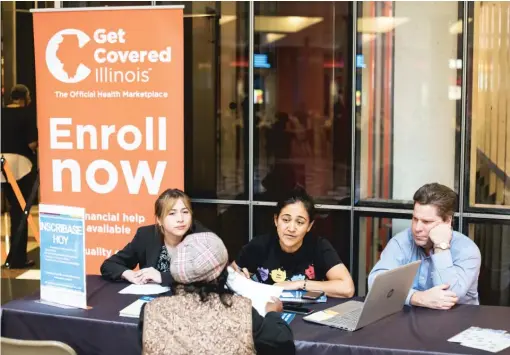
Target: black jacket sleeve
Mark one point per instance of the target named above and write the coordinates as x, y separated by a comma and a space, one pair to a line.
272, 335
125, 259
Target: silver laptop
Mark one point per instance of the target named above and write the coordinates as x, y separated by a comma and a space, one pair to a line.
386, 296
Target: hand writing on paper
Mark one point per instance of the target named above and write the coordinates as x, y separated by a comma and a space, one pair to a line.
150, 275
437, 297
132, 277
275, 306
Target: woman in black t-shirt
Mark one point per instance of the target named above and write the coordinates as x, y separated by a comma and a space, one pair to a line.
291, 257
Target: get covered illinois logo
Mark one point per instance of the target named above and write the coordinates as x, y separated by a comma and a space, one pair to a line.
72, 56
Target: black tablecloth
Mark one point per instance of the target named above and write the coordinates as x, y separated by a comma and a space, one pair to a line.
100, 330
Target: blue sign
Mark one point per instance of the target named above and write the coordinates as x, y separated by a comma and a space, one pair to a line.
62, 238
360, 61
261, 61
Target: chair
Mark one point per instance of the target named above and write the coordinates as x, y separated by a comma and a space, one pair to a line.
35, 347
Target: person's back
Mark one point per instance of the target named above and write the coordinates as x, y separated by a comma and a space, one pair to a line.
183, 324
19, 144
18, 131
203, 316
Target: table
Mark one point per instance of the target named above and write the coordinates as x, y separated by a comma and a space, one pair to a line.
100, 330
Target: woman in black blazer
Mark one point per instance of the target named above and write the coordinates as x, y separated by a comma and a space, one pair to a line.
153, 246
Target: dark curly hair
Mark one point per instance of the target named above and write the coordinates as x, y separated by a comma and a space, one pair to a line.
204, 289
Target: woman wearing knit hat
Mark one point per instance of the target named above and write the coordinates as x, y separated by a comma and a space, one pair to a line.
203, 316
153, 245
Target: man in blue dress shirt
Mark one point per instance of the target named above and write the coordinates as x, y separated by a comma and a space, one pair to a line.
451, 261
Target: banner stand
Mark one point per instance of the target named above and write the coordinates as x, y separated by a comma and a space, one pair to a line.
110, 116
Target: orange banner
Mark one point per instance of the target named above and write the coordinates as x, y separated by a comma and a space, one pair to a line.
110, 116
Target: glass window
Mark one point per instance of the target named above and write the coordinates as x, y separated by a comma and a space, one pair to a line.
408, 84
489, 104
216, 98
104, 3
215, 95
375, 231
8, 38
302, 100
45, 4
229, 222
25, 5
332, 225
493, 239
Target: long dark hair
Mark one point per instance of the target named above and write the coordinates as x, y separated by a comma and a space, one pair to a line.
204, 289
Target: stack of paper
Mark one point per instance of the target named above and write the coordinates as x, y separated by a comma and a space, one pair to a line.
295, 297
259, 294
134, 309
145, 289
484, 339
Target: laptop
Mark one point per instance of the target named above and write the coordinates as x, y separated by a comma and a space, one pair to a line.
386, 297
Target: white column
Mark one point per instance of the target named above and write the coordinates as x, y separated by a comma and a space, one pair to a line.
424, 115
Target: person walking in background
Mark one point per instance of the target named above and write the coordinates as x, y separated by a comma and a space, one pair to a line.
19, 145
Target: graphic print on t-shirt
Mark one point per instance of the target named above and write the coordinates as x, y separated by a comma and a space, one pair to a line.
298, 277
310, 272
264, 258
278, 275
264, 273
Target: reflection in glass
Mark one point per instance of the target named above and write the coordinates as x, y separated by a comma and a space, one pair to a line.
332, 225
25, 5
302, 116
406, 102
216, 98
104, 3
215, 94
493, 239
489, 182
229, 222
374, 235
45, 4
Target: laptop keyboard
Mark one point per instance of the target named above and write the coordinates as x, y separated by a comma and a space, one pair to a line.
345, 321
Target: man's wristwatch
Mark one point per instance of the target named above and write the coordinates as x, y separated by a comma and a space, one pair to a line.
442, 245
304, 285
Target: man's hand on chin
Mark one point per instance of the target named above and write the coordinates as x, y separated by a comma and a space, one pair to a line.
441, 236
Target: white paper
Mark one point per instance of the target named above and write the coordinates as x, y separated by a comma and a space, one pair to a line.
464, 335
134, 309
146, 289
259, 294
319, 316
491, 340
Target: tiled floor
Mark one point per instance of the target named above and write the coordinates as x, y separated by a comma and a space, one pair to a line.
22, 282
